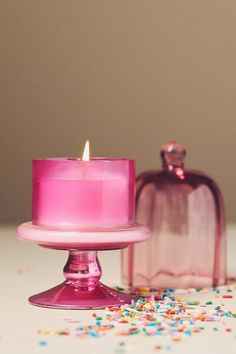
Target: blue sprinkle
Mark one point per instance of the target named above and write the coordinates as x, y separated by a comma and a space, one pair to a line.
93, 334
42, 343
158, 333
173, 330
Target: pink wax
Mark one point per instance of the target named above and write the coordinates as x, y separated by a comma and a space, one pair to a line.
83, 194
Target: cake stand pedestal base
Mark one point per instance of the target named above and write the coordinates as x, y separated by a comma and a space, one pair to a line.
65, 296
82, 288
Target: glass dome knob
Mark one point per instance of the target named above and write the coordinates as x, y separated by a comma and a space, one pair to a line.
172, 155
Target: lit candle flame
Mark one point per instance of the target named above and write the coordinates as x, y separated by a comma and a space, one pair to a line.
86, 155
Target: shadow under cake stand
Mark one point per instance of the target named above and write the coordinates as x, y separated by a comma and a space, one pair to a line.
82, 288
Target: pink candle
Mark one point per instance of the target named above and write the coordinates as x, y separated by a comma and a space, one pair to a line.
98, 193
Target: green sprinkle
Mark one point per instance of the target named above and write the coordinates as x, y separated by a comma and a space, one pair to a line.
120, 288
215, 329
98, 318
193, 303
199, 289
217, 308
209, 303
121, 344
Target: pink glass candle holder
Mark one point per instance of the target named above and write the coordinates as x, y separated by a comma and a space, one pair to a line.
98, 193
82, 207
184, 211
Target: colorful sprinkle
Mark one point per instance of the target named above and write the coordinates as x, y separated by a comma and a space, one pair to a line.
194, 303
162, 313
42, 343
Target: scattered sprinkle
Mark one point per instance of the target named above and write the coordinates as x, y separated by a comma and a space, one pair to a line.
155, 312
42, 343
158, 347
193, 303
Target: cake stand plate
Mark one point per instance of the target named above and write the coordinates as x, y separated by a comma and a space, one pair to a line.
82, 288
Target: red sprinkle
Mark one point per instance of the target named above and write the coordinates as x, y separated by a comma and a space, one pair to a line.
64, 333
228, 330
123, 321
158, 347
227, 296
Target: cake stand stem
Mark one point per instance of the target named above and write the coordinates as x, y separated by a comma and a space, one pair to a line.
83, 270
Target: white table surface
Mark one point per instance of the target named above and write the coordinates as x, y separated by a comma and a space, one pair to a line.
27, 269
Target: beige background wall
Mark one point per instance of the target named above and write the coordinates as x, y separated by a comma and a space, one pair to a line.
128, 75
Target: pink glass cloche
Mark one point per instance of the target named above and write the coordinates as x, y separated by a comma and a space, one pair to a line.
184, 211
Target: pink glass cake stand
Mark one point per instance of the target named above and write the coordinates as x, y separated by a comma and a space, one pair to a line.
82, 288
